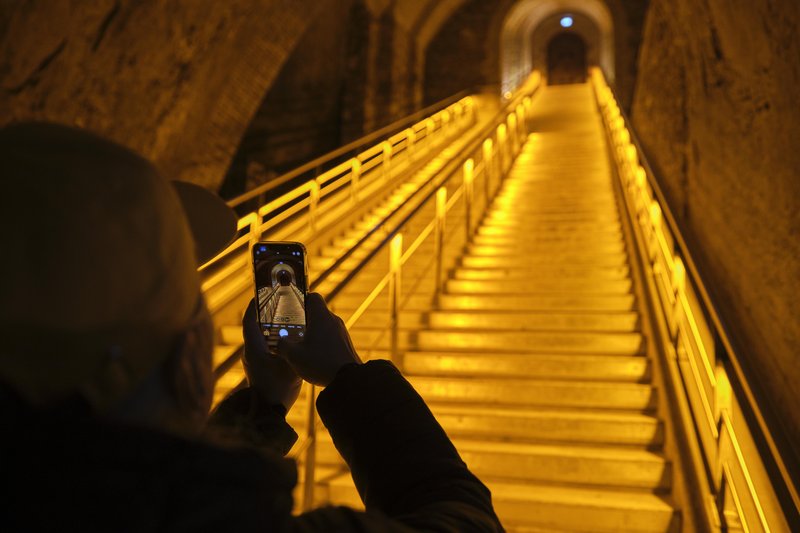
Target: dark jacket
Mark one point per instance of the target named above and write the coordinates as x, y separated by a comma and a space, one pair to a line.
66, 471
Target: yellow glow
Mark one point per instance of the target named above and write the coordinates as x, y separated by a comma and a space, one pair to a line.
441, 202
502, 132
641, 177
655, 214
396, 252
469, 172
679, 276
487, 149
630, 153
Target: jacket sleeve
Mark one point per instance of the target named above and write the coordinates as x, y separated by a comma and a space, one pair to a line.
243, 419
403, 464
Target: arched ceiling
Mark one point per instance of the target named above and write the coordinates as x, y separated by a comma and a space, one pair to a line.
526, 15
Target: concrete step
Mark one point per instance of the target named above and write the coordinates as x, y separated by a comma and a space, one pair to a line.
591, 367
573, 509
562, 272
565, 258
552, 230
536, 302
562, 426
597, 216
554, 285
528, 321
535, 425
618, 467
538, 342
485, 247
539, 240
489, 392
552, 342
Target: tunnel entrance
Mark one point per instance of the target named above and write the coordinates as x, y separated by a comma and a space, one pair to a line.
566, 59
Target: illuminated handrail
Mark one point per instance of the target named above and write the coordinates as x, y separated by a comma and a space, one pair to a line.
310, 211
748, 485
316, 165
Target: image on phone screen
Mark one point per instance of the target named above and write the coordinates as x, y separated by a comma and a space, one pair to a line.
280, 274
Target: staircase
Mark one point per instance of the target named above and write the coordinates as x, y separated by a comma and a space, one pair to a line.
534, 359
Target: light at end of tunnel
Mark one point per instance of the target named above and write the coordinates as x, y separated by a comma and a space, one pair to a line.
566, 22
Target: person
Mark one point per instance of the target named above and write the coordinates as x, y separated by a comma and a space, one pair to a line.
106, 373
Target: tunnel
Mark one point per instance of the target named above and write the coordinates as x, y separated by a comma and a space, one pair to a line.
571, 224
566, 60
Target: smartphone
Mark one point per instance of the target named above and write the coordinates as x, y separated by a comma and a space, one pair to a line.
281, 275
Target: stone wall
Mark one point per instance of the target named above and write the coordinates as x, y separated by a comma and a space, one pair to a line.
300, 117
466, 51
716, 108
177, 81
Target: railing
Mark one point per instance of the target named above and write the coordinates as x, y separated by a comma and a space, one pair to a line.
310, 211
484, 161
314, 168
745, 482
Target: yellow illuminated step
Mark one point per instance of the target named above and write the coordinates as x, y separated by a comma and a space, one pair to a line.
532, 341
582, 286
526, 425
570, 258
537, 302
501, 219
551, 230
557, 507
485, 246
526, 321
517, 272
541, 393
524, 365
536, 425
603, 466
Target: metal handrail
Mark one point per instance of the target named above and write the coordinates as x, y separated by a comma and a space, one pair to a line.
705, 367
297, 212
496, 147
315, 165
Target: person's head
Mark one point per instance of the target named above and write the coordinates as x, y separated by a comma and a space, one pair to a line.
100, 292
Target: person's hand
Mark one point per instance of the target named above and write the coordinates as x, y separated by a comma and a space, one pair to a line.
270, 376
326, 348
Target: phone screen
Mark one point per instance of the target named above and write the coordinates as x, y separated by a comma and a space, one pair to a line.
281, 285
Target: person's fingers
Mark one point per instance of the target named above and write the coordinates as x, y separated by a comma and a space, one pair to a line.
316, 308
254, 340
288, 350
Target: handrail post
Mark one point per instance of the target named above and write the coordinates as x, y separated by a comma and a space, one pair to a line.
512, 129
441, 214
311, 451
395, 270
411, 139
387, 159
355, 177
469, 174
313, 203
502, 137
488, 167
430, 125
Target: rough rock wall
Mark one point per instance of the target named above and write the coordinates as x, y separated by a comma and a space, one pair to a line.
300, 117
177, 81
717, 110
